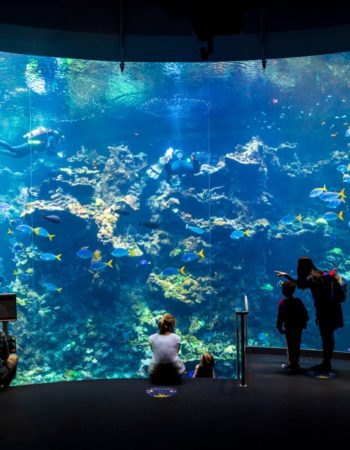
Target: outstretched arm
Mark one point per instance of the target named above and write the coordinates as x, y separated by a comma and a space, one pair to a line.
284, 274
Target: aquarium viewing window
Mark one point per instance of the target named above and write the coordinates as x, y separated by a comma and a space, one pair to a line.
170, 187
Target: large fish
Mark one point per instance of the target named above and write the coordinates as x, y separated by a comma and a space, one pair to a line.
152, 225
51, 218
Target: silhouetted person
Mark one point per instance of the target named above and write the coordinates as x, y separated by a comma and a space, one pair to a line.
292, 318
205, 369
39, 140
174, 162
329, 314
165, 366
178, 164
8, 362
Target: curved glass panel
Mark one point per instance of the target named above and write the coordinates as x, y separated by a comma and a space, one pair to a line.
101, 233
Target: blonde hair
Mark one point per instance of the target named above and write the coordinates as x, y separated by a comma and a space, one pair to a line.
166, 324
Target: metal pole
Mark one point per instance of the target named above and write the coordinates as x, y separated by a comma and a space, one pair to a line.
241, 342
243, 383
238, 357
246, 309
262, 35
121, 35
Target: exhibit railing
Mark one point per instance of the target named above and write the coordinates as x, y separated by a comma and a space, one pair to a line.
241, 341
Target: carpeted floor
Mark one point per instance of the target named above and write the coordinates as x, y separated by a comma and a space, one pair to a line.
275, 410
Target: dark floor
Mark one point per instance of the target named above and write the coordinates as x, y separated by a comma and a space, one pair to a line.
275, 410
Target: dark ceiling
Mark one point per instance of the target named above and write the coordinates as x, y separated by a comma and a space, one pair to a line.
167, 30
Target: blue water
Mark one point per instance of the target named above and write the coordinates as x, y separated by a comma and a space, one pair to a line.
265, 140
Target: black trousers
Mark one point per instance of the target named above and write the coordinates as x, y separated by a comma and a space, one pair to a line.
293, 338
165, 374
327, 336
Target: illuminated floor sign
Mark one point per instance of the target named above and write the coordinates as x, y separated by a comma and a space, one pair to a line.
161, 392
321, 375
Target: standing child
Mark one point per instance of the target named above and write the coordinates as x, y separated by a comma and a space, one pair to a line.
292, 318
205, 369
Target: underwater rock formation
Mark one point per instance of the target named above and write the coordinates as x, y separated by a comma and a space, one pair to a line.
183, 288
121, 179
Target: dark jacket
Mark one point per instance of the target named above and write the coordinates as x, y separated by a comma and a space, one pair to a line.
328, 312
292, 314
4, 354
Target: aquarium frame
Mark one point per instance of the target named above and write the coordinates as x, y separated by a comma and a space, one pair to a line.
241, 341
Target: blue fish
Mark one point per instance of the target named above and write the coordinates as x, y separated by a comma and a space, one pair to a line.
196, 230
50, 257
333, 216
237, 234
51, 287
317, 192
26, 229
329, 196
173, 271
191, 256
290, 219
84, 253
100, 265
39, 231
119, 252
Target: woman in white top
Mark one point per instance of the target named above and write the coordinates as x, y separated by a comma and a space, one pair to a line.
165, 345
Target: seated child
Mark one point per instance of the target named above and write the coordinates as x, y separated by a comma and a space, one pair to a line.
292, 318
205, 369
